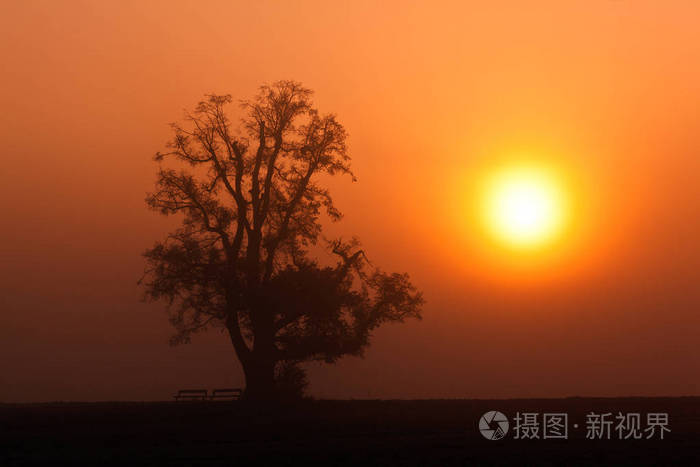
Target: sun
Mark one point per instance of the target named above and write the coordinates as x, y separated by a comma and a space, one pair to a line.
524, 206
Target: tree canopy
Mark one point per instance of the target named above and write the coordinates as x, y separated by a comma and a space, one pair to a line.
253, 206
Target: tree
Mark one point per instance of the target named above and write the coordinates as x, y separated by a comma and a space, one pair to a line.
252, 206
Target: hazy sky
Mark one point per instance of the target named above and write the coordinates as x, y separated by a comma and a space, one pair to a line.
432, 94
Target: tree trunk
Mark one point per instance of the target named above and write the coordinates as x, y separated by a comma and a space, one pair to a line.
260, 379
258, 367
259, 362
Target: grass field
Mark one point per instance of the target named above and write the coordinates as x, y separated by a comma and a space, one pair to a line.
355, 432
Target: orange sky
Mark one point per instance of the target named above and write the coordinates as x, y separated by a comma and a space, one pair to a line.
431, 95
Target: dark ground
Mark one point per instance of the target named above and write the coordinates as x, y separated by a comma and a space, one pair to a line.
353, 433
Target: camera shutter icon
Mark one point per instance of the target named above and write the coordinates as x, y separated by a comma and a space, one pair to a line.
493, 425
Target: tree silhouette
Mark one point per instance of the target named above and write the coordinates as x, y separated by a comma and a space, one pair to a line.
252, 207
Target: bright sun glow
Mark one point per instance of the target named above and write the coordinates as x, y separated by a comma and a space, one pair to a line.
524, 206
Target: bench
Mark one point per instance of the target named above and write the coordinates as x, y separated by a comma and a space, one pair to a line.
191, 394
227, 393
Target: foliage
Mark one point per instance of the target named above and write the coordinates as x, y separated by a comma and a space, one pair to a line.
252, 207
